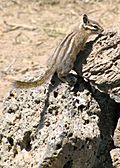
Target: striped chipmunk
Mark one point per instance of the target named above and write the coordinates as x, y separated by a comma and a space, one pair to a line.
63, 58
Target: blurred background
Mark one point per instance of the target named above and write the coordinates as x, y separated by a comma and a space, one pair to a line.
31, 29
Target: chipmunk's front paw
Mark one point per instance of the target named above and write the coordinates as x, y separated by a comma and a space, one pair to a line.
71, 79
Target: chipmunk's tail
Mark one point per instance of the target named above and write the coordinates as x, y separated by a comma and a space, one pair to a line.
38, 82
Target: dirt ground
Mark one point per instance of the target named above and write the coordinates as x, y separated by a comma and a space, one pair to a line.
31, 29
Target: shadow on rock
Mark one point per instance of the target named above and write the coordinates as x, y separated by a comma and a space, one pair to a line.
108, 118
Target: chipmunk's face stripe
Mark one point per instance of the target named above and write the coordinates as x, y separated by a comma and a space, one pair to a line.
91, 25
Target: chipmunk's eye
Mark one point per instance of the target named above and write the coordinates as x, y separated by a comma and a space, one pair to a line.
96, 27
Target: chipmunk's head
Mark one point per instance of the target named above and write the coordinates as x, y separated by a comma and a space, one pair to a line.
91, 26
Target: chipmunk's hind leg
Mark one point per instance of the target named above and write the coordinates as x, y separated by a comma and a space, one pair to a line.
65, 76
70, 78
62, 77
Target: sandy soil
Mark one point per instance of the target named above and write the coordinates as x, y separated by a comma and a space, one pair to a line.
31, 29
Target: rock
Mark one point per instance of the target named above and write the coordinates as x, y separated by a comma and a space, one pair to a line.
99, 64
116, 136
63, 128
58, 125
69, 120
115, 155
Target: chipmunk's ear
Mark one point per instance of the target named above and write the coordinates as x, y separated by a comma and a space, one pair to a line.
85, 19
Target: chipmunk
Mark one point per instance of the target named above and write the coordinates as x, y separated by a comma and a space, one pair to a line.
63, 58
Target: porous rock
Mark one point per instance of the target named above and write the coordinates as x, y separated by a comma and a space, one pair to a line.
116, 136
59, 125
115, 155
55, 126
99, 63
51, 126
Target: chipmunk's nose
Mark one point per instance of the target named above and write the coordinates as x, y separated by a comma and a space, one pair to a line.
102, 30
